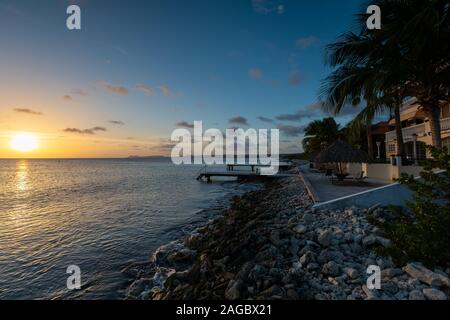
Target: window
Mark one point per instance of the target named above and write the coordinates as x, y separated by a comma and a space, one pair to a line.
421, 150
391, 148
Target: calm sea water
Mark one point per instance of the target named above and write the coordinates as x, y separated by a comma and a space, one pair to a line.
97, 214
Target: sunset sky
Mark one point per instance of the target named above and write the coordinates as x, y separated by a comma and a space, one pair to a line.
139, 69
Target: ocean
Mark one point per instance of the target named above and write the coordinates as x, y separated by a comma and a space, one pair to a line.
98, 214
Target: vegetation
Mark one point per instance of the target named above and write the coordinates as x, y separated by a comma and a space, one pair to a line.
421, 232
319, 134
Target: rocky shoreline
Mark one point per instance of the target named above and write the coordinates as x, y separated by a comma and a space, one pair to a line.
270, 244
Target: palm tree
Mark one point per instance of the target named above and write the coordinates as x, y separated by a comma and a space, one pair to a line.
420, 29
362, 76
385, 66
369, 140
319, 134
388, 65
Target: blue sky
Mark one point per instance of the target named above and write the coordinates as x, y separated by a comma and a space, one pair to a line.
150, 65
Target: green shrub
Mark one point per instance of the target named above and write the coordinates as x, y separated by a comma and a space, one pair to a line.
421, 232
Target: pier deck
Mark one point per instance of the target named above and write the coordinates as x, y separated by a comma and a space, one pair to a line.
232, 171
282, 166
241, 175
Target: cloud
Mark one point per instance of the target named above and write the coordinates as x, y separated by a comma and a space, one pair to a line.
147, 90
313, 110
164, 147
106, 86
81, 92
184, 124
264, 119
255, 74
67, 97
280, 9
239, 121
291, 131
297, 116
28, 111
90, 131
296, 148
349, 110
306, 42
295, 78
267, 6
117, 122
161, 146
98, 129
165, 90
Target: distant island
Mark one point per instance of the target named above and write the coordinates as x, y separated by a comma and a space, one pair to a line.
133, 157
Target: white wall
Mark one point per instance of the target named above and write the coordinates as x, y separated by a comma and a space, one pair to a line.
385, 172
378, 171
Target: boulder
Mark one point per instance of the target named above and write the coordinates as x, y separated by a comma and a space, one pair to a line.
233, 291
371, 294
416, 295
275, 237
324, 238
292, 294
245, 270
331, 268
183, 255
372, 240
391, 273
419, 272
312, 266
351, 273
307, 258
139, 286
300, 229
447, 271
271, 291
434, 294
308, 218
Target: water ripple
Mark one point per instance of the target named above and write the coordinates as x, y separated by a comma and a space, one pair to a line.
97, 214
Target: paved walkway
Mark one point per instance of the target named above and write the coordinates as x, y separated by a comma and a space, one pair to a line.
326, 191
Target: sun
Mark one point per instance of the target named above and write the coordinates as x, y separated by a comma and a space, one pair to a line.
24, 141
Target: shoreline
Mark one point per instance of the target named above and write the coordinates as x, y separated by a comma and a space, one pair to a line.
270, 244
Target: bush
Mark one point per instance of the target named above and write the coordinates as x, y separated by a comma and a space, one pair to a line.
421, 232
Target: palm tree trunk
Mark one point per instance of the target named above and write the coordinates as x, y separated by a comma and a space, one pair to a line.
369, 141
398, 132
434, 114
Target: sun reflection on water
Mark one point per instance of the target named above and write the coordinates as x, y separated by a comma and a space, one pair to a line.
22, 175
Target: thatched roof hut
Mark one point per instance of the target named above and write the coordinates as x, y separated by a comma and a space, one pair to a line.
341, 152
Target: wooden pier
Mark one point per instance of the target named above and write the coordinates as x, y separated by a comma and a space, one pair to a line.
253, 174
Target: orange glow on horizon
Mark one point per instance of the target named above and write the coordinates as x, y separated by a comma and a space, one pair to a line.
33, 144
